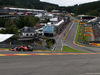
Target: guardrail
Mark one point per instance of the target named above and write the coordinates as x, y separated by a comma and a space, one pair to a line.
9, 16
35, 47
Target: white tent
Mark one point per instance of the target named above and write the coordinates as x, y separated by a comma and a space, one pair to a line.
54, 19
4, 37
39, 15
93, 20
62, 21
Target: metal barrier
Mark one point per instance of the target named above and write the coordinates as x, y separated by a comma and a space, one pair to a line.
35, 47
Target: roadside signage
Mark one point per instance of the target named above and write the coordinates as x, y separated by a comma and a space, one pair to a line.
88, 27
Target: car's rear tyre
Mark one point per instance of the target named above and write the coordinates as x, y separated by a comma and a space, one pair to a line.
30, 49
18, 49
10, 50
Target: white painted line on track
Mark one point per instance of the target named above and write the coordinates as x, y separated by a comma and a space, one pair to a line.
58, 39
68, 30
92, 73
71, 26
62, 45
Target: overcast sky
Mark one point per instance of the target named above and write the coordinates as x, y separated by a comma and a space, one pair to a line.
68, 2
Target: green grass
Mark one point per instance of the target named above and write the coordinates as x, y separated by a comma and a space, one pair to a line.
85, 38
78, 29
4, 48
81, 36
68, 49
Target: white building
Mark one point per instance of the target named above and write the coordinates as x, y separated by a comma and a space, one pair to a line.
26, 32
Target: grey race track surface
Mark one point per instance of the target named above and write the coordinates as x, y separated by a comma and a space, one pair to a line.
50, 65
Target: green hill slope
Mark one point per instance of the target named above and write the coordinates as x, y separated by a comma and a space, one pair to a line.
34, 4
92, 8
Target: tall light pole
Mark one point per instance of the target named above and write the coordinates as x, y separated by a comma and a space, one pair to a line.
0, 2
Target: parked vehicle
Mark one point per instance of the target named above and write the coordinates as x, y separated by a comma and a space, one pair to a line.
22, 48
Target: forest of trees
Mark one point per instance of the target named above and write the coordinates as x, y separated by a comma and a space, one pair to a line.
12, 25
34, 4
92, 8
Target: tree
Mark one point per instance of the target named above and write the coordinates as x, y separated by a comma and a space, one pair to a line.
8, 23
45, 21
94, 13
10, 28
27, 21
2, 22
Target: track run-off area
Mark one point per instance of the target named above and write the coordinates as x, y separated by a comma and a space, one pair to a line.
48, 54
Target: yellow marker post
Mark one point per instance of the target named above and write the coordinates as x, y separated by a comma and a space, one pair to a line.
10, 43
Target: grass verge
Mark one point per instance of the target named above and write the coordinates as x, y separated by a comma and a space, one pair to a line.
5, 48
76, 39
68, 49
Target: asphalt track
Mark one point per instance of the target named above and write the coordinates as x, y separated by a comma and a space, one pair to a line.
59, 39
50, 65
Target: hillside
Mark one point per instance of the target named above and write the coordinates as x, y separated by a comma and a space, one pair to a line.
34, 4
92, 8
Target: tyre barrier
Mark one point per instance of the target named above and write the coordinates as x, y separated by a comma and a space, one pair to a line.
88, 31
88, 27
94, 44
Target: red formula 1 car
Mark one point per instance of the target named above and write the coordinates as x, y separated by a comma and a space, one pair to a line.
22, 48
